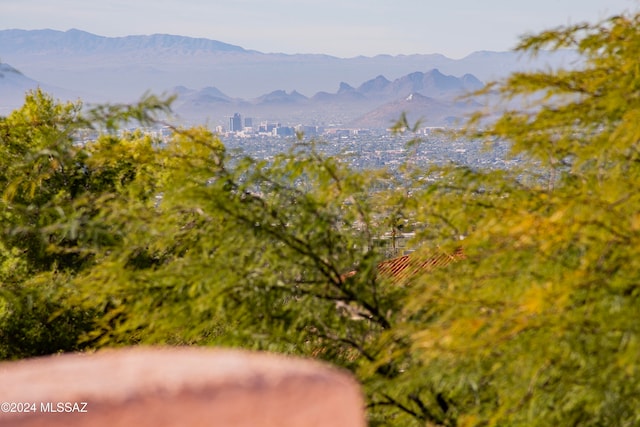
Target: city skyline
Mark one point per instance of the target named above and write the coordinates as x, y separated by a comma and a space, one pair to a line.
344, 28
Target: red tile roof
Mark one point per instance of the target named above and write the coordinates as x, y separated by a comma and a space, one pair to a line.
404, 267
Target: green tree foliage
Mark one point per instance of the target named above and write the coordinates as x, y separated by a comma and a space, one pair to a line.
538, 326
52, 190
250, 253
180, 243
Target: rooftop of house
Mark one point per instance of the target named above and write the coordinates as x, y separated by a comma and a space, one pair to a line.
404, 267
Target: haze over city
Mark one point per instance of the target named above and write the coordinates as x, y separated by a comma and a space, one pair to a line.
343, 28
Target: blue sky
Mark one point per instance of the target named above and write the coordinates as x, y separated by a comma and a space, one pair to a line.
342, 28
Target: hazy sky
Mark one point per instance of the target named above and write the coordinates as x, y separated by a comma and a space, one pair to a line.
336, 27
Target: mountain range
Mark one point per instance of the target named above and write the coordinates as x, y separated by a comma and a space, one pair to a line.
275, 86
430, 96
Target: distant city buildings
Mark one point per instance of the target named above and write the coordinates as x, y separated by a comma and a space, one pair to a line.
245, 127
235, 123
361, 149
266, 127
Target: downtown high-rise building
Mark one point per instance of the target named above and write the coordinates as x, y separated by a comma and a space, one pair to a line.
235, 123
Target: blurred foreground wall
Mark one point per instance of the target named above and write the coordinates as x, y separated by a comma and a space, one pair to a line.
185, 387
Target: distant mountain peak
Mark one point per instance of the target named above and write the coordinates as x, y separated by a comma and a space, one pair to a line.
75, 41
14, 85
8, 69
213, 91
281, 96
345, 87
434, 72
471, 82
379, 83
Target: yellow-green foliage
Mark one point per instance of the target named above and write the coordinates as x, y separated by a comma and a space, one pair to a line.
538, 326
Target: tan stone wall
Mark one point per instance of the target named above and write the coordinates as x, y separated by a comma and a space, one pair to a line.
185, 387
